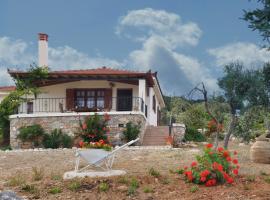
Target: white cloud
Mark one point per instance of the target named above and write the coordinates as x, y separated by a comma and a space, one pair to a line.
162, 32
248, 53
18, 54
177, 72
69, 58
14, 52
159, 23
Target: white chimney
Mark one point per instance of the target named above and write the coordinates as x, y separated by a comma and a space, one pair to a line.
43, 50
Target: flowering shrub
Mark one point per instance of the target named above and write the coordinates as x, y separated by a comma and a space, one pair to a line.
214, 127
214, 166
93, 131
96, 145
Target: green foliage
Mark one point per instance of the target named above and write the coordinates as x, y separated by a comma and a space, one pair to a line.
74, 185
134, 185
195, 116
193, 134
8, 106
123, 180
267, 179
103, 187
55, 190
38, 174
31, 133
24, 86
259, 19
57, 139
27, 83
94, 128
251, 178
30, 188
235, 85
154, 172
194, 189
212, 167
132, 131
16, 180
148, 189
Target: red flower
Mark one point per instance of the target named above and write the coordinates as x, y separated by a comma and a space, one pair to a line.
211, 182
81, 143
101, 142
225, 175
237, 166
235, 171
189, 175
235, 152
193, 164
229, 159
209, 146
205, 173
203, 179
235, 161
220, 149
185, 167
230, 180
84, 126
226, 154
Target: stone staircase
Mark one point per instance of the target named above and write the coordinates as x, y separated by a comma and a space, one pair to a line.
155, 136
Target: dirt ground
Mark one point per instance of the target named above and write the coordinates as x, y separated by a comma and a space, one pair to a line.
16, 173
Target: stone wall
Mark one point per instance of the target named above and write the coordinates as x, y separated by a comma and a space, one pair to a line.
178, 134
70, 125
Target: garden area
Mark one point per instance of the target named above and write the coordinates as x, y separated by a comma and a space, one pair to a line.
152, 174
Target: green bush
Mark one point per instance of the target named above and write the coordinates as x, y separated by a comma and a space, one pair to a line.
132, 131
193, 134
94, 128
57, 139
31, 133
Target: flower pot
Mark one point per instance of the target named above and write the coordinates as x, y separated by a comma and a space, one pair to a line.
260, 150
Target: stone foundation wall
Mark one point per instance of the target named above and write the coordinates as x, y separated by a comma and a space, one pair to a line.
70, 126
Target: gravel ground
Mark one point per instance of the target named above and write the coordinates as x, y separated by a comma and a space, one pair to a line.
136, 162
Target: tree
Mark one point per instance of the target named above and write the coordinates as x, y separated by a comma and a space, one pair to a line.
259, 19
237, 85
216, 114
24, 86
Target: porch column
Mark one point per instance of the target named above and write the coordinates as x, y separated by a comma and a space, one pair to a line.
142, 88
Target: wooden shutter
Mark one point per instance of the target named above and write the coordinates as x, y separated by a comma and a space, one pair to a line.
108, 99
70, 99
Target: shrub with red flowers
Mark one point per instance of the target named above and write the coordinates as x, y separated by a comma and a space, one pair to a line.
96, 145
93, 131
213, 126
213, 167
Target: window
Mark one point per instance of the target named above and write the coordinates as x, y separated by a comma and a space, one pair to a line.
100, 99
80, 102
30, 107
154, 103
90, 99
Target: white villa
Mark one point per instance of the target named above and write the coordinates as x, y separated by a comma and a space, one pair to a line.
68, 95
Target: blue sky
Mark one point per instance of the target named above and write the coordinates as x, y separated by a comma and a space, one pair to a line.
186, 41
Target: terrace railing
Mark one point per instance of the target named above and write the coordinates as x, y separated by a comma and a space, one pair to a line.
56, 105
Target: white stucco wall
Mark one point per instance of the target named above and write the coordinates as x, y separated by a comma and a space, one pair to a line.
152, 115
3, 95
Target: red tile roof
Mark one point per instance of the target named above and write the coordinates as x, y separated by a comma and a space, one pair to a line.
7, 88
98, 71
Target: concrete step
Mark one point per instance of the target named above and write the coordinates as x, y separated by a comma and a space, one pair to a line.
155, 136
